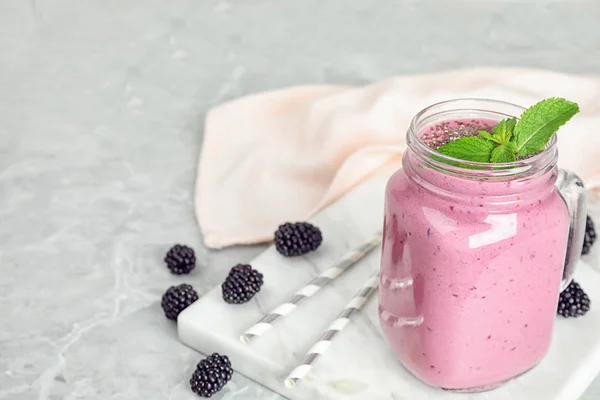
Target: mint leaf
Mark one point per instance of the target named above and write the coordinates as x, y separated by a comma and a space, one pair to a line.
504, 130
488, 136
510, 128
539, 122
503, 153
500, 128
469, 148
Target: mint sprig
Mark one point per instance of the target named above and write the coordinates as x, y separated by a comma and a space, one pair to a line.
511, 139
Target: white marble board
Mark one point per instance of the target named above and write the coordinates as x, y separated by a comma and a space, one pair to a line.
359, 364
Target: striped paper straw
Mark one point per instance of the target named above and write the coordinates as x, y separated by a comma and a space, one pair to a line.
309, 290
359, 299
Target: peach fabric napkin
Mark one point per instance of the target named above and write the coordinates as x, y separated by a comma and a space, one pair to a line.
284, 155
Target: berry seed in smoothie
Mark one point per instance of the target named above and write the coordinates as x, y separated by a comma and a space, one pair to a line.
448, 131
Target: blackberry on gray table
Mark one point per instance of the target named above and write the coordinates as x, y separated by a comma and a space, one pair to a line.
211, 374
181, 259
176, 299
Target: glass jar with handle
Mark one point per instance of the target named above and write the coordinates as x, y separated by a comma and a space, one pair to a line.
474, 255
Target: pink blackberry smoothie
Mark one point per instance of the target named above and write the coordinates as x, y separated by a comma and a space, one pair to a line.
471, 264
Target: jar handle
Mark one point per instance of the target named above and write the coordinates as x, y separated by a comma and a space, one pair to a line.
573, 192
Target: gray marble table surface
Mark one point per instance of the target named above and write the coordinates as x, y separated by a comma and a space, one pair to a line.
102, 106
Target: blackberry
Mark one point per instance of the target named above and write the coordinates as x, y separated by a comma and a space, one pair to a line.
181, 259
211, 375
590, 236
296, 239
241, 284
573, 301
178, 298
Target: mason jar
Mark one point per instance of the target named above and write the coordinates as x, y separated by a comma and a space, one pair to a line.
475, 255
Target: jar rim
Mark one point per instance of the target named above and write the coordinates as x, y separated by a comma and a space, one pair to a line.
540, 161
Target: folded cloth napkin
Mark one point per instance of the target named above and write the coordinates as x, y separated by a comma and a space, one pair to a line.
285, 154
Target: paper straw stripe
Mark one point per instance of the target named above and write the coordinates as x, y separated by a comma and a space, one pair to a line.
271, 318
338, 324
334, 272
321, 347
357, 302
298, 372
328, 335
356, 256
311, 358
359, 299
259, 329
309, 290
321, 281
284, 309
